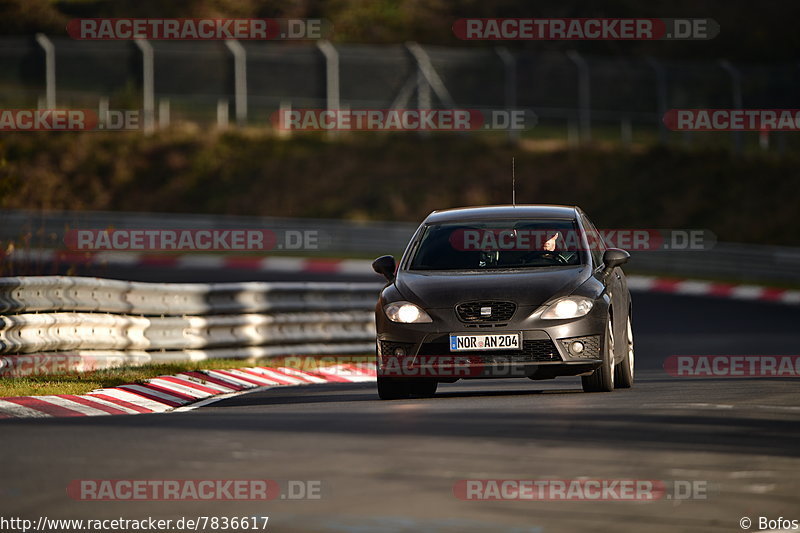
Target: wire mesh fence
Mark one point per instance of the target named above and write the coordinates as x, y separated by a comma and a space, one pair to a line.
574, 97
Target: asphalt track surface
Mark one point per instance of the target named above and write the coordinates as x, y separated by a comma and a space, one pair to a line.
392, 466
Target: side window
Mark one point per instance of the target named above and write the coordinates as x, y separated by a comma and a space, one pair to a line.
596, 244
411, 248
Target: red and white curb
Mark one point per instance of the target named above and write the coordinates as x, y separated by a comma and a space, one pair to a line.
688, 287
170, 393
201, 261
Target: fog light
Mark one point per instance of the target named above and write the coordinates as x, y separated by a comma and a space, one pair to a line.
400, 352
576, 347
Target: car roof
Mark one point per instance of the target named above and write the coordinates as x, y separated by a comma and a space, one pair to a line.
494, 212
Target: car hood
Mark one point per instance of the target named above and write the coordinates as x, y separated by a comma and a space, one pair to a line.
530, 287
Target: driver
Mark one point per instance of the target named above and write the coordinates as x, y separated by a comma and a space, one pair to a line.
550, 244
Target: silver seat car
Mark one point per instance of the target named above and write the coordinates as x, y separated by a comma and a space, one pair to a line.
504, 291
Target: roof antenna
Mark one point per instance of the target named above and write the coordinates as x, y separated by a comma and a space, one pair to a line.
513, 185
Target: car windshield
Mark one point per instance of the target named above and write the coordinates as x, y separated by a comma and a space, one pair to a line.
498, 244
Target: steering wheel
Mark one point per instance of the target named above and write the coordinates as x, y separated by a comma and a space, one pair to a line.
553, 257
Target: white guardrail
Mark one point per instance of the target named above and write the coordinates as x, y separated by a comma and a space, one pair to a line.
59, 323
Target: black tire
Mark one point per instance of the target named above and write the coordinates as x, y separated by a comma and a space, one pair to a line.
624, 371
602, 379
424, 388
398, 389
393, 389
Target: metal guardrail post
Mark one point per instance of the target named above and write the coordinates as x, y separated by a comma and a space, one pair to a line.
584, 95
240, 80
148, 84
50, 69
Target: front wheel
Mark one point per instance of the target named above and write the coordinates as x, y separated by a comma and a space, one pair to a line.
397, 389
624, 377
602, 379
392, 389
424, 388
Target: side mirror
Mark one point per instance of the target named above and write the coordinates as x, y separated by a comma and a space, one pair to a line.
614, 257
385, 266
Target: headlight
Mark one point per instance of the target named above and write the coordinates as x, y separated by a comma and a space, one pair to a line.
568, 307
406, 313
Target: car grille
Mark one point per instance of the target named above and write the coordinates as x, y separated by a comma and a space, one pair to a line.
591, 346
471, 311
536, 351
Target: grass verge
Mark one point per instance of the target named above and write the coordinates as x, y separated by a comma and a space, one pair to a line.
112, 377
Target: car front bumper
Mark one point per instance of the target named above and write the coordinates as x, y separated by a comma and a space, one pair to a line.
423, 350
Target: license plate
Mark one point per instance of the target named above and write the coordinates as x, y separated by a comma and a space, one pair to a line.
489, 341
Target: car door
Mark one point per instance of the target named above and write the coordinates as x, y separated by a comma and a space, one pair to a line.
616, 286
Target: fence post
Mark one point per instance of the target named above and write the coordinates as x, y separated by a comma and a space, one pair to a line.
584, 94
283, 115
331, 77
148, 82
573, 137
626, 132
661, 97
423, 90
423, 85
102, 110
49, 69
163, 113
428, 78
222, 113
510, 68
239, 80
736, 90
763, 139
